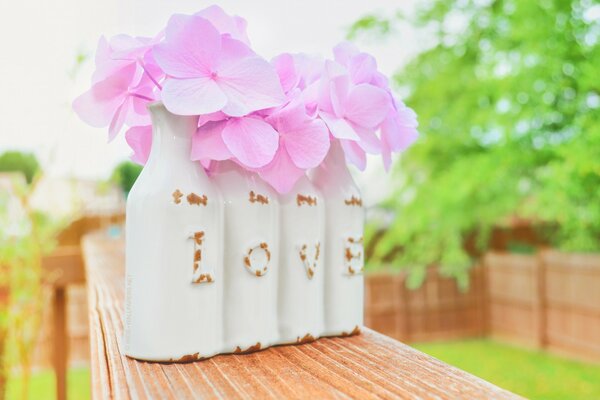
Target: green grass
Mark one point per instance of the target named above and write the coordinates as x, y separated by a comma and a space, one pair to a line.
529, 373
42, 386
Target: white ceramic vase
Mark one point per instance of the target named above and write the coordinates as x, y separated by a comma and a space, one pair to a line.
174, 237
226, 265
344, 252
250, 260
301, 274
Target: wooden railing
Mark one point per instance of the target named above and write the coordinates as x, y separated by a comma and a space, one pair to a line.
549, 301
365, 366
62, 268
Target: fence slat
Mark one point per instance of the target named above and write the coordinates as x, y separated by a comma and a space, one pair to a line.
549, 300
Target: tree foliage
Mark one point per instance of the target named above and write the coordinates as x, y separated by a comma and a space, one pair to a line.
25, 237
16, 161
508, 101
125, 174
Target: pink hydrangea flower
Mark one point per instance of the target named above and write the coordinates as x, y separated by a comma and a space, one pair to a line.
398, 130
277, 119
137, 50
116, 100
209, 72
352, 113
280, 147
361, 67
301, 73
139, 138
303, 144
297, 71
250, 140
233, 26
345, 107
123, 83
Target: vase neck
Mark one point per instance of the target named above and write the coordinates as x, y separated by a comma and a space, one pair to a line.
334, 168
171, 136
227, 166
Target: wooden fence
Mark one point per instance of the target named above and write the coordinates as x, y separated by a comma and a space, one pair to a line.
549, 301
437, 310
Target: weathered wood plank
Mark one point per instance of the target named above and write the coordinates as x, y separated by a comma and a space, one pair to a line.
368, 365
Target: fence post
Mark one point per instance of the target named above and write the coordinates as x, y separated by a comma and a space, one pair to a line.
484, 297
541, 309
407, 310
60, 342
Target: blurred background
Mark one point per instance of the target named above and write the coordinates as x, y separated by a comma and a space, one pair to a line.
483, 242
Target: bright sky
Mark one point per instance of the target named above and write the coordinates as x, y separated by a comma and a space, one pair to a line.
39, 41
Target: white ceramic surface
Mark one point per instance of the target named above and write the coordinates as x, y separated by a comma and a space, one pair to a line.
301, 273
250, 261
174, 255
344, 253
225, 264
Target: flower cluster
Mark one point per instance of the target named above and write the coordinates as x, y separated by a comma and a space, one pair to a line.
276, 118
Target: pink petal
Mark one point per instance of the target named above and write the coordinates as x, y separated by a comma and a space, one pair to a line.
339, 91
362, 68
98, 105
339, 127
242, 26
105, 65
400, 128
310, 97
308, 144
368, 141
127, 47
250, 84
252, 141
212, 117
152, 74
380, 80
332, 91
139, 139
191, 47
309, 69
226, 24
386, 154
286, 69
333, 70
232, 51
354, 154
321, 93
138, 113
96, 110
207, 142
344, 51
192, 96
119, 119
103, 51
366, 105
290, 116
281, 173
208, 166
406, 114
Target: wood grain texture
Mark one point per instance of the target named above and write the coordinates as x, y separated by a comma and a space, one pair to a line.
365, 366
